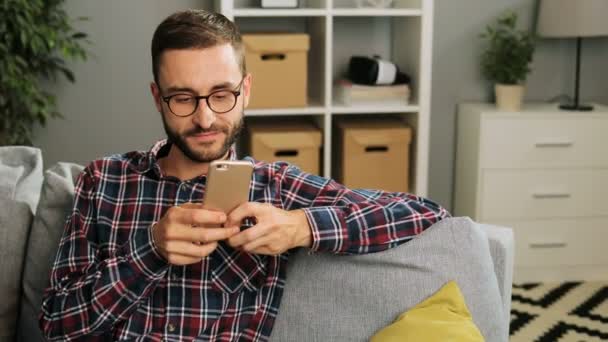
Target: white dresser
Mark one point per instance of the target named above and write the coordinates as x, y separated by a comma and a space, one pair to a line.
544, 172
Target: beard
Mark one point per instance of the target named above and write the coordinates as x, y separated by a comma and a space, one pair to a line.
204, 154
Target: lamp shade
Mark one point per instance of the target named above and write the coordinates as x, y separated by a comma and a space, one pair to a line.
572, 18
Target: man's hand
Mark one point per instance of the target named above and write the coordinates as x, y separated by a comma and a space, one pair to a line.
181, 237
275, 232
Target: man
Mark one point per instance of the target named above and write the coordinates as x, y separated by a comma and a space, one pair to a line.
137, 260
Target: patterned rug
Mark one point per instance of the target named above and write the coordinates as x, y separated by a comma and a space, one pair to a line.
560, 312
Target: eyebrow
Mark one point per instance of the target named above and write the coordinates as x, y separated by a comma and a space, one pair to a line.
224, 85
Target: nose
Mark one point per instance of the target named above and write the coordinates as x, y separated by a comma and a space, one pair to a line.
204, 116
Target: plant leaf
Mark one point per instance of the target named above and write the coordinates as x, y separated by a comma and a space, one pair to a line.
79, 35
37, 38
68, 74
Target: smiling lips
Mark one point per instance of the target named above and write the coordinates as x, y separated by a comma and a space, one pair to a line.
206, 137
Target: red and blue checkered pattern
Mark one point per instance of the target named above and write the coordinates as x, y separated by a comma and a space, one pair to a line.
108, 282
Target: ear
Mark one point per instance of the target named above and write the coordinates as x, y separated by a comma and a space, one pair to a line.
247, 89
156, 95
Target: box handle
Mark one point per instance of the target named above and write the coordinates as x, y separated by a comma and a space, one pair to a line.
286, 153
373, 149
273, 57
543, 195
550, 144
556, 244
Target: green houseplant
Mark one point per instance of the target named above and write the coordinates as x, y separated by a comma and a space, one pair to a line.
37, 38
506, 60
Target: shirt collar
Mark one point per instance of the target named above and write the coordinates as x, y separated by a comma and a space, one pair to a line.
149, 160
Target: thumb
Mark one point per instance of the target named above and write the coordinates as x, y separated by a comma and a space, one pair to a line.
191, 205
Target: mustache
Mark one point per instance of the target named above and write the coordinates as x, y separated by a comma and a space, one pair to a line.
200, 130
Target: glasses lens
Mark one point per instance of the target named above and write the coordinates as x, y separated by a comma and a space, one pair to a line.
222, 101
182, 105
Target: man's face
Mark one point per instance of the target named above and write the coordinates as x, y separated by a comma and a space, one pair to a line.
205, 135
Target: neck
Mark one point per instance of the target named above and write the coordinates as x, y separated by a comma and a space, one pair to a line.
176, 164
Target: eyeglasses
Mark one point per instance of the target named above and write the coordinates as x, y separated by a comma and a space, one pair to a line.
220, 101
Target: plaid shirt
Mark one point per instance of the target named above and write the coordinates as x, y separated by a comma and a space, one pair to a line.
108, 281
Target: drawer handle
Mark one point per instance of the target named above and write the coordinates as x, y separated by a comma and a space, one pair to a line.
551, 195
548, 245
554, 144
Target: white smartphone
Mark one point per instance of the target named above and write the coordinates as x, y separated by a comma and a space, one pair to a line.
227, 185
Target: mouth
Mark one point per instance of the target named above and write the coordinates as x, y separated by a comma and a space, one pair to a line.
206, 137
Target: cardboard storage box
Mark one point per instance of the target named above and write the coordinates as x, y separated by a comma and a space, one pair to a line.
298, 143
373, 154
279, 65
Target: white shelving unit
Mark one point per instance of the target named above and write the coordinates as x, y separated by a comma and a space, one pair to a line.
338, 30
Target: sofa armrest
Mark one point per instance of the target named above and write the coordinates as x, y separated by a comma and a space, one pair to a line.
502, 249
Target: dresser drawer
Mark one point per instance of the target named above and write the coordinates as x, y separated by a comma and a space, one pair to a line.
529, 194
559, 242
524, 141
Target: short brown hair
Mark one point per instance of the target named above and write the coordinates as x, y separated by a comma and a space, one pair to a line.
195, 29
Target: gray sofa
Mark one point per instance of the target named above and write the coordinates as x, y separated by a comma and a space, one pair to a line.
327, 297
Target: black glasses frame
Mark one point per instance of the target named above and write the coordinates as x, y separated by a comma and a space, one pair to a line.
198, 98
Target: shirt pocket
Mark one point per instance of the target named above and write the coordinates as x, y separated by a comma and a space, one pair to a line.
233, 270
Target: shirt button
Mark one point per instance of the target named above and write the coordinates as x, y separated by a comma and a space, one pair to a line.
171, 328
174, 277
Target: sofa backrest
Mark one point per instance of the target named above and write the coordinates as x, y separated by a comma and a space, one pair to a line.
349, 298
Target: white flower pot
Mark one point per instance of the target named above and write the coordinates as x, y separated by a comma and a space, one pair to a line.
509, 97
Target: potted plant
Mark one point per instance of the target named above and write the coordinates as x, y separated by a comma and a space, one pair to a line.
37, 38
506, 60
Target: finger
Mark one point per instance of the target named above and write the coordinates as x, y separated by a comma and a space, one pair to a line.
264, 250
238, 214
206, 235
189, 249
185, 232
191, 205
261, 242
178, 259
201, 217
248, 235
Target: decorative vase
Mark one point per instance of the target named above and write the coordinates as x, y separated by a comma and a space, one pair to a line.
509, 96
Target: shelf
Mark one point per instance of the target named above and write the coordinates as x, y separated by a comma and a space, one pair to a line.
314, 12
339, 30
374, 108
314, 110
297, 12
367, 12
336, 109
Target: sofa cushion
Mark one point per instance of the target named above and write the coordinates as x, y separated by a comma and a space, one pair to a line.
56, 200
21, 174
20, 181
349, 298
442, 317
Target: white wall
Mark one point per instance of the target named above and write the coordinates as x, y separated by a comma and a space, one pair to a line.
109, 109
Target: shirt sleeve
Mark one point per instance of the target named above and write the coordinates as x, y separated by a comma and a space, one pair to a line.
349, 221
88, 295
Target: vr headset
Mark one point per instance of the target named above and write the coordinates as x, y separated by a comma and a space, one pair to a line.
375, 71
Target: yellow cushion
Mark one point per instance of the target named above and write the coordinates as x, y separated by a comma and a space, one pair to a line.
442, 317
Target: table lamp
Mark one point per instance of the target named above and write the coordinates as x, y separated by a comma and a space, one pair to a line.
573, 19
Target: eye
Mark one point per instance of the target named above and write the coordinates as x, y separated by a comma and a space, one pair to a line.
182, 98
221, 95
